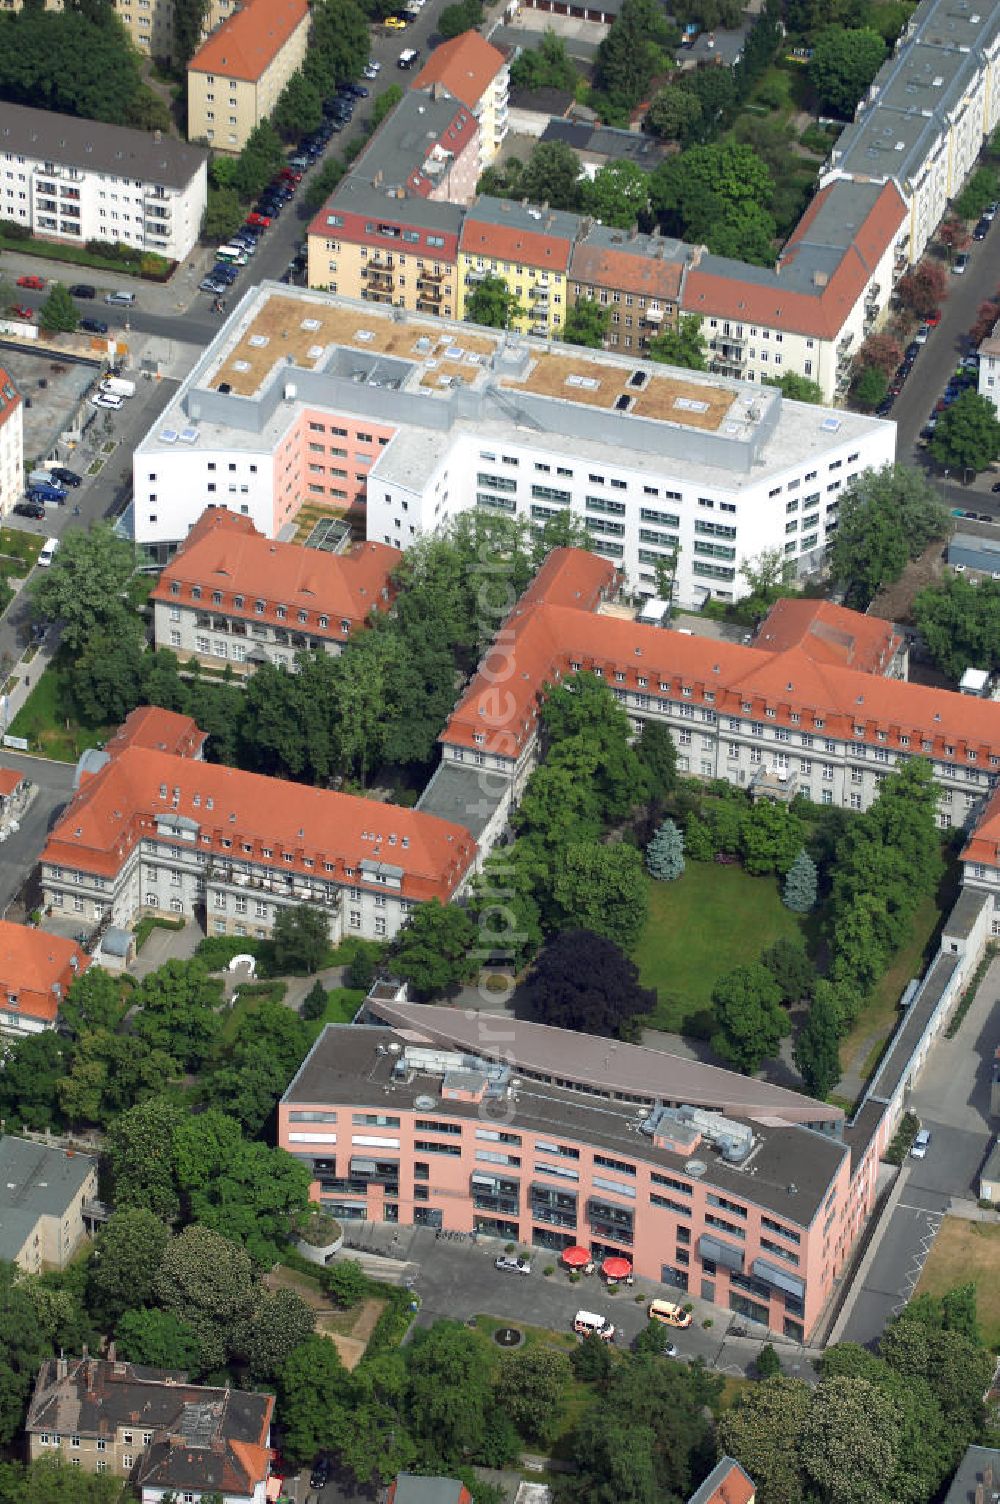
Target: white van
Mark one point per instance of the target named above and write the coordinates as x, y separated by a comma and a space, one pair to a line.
232, 255
589, 1324
48, 552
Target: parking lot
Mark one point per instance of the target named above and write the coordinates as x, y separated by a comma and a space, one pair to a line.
52, 388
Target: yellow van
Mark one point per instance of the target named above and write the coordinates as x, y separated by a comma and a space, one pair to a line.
669, 1313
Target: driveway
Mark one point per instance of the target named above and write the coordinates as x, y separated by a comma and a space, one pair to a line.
952, 1100
19, 853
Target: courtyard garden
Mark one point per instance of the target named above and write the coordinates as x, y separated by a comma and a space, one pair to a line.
964, 1251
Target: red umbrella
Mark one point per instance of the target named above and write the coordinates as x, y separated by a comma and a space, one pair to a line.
616, 1268
576, 1258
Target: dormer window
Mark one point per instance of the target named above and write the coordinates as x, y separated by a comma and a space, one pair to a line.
345, 626
175, 588
324, 621
259, 607
196, 592
216, 597
303, 616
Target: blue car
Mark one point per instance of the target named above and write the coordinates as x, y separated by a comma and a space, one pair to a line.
44, 491
221, 272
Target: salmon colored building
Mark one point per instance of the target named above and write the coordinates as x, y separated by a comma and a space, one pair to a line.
739, 1192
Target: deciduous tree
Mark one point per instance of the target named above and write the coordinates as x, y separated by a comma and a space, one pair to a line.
674, 114
602, 888
791, 968
313, 1385
433, 949
684, 346
586, 324
141, 1155
86, 586
492, 303
158, 1338
207, 1281
551, 176
763, 1429
849, 1444
797, 388
967, 436
124, 1263
922, 288
530, 1388
816, 1051
750, 1020
618, 194
887, 517
843, 64
301, 938
584, 981
266, 1338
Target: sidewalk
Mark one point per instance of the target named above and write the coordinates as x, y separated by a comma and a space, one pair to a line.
175, 296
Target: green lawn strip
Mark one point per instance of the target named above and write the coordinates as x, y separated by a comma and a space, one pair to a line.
710, 920
50, 726
15, 545
341, 1005
78, 255
965, 1251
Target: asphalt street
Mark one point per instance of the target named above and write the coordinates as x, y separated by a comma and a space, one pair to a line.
19, 853
951, 1098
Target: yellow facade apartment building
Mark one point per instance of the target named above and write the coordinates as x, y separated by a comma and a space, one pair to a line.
149, 23
529, 249
235, 78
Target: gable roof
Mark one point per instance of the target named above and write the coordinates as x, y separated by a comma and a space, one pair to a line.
822, 272
727, 1483
10, 779
37, 969
412, 1488
93, 146
141, 792
466, 65
830, 634
249, 40
159, 730
649, 265
509, 231
226, 553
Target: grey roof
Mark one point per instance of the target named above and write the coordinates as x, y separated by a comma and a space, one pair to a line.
542, 101
424, 118
719, 1474
790, 1171
95, 147
991, 1172
971, 1471
897, 1059
115, 941
606, 141
632, 1070
458, 792
411, 1489
965, 915
830, 235
195, 1426
511, 214
975, 551
357, 195
35, 1181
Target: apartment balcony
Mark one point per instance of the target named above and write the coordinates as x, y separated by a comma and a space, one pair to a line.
374, 295
774, 783
731, 351
429, 290
423, 306
845, 343
433, 277
654, 316
540, 293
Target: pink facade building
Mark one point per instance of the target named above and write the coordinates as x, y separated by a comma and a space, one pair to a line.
738, 1192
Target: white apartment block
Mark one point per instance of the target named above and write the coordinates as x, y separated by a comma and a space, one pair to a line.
830, 289
927, 112
77, 180
430, 418
11, 444
989, 367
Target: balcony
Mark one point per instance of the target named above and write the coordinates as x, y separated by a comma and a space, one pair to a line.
653, 315
473, 278
426, 276
429, 290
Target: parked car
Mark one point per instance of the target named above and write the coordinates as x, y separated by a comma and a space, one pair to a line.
289, 175
669, 1313
921, 1144
960, 264
254, 218
991, 210
395, 23
912, 350
93, 326
933, 319
512, 1265
358, 90
374, 65
82, 290
995, 488
35, 284
982, 229
45, 490
320, 1475
408, 57
225, 274
18, 311
33, 509
922, 334
213, 286
302, 163
371, 72
66, 477
107, 399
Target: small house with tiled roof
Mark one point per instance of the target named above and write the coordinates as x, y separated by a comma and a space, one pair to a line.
37, 970
727, 1483
232, 594
151, 1426
236, 77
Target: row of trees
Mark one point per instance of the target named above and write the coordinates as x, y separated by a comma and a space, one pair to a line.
887, 517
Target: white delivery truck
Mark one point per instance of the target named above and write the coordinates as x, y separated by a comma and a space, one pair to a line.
118, 386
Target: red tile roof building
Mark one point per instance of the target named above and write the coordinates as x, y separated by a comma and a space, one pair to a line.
812, 703
153, 832
36, 971
237, 76
246, 43
727, 1483
476, 72
232, 593
158, 731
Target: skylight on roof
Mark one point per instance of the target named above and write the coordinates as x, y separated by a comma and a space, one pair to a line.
258, 341
241, 365
830, 425
168, 435
690, 405
310, 324
364, 335
188, 435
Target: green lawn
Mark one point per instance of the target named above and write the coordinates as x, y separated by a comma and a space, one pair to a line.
341, 1005
699, 927
50, 730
